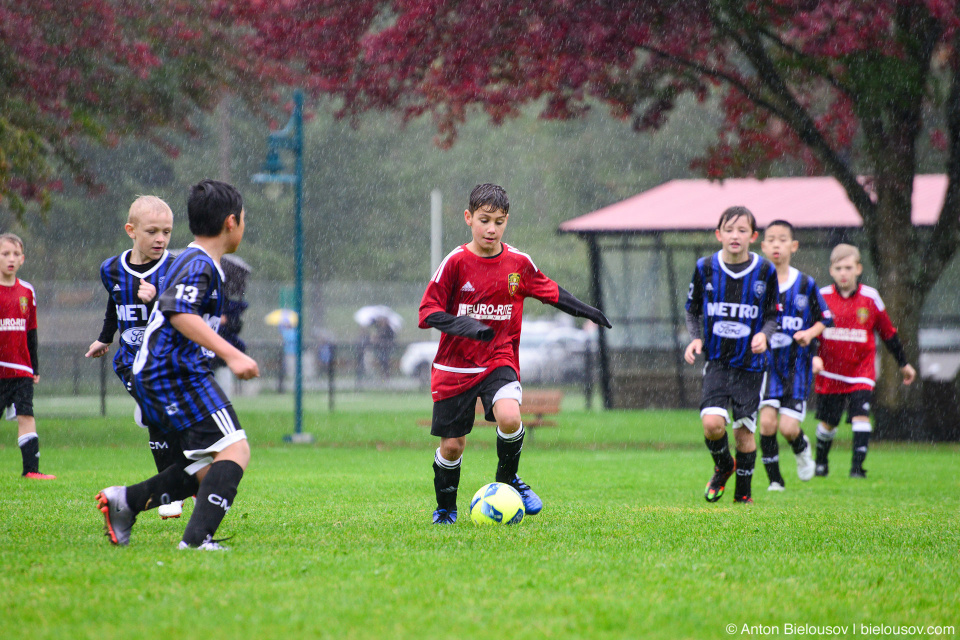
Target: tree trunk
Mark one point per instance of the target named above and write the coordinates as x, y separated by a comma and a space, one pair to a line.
895, 247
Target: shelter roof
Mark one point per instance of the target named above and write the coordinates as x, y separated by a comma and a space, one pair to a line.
696, 205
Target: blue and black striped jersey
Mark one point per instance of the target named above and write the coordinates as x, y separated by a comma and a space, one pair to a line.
790, 373
735, 305
122, 281
172, 373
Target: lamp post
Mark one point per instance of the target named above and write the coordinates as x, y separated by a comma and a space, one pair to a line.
291, 138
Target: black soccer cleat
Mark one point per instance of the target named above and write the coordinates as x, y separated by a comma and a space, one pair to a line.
743, 499
858, 473
714, 490
823, 470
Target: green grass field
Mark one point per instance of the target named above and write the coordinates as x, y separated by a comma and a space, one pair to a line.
333, 540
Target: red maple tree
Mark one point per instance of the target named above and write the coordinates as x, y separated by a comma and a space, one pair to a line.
98, 70
849, 87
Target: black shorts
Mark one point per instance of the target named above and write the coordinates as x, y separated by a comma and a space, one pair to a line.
830, 406
201, 440
19, 393
724, 385
454, 417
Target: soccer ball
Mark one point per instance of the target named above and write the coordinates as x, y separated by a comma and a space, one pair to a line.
496, 503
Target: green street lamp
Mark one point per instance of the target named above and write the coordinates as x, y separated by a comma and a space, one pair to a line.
291, 138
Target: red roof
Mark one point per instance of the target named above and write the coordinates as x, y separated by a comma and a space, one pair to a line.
696, 205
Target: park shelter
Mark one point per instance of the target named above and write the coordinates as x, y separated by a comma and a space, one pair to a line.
642, 253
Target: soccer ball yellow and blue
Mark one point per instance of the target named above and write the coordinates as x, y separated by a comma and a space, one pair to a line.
496, 503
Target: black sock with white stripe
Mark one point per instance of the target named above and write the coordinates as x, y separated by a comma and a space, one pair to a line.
770, 456
824, 442
509, 446
170, 485
30, 452
861, 439
214, 499
446, 481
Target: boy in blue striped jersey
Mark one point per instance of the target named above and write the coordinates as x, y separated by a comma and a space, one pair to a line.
132, 280
172, 376
803, 317
731, 314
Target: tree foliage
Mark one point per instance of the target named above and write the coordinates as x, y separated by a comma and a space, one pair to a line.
101, 70
849, 88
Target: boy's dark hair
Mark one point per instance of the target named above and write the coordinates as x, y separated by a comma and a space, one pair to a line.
209, 205
732, 213
489, 195
782, 223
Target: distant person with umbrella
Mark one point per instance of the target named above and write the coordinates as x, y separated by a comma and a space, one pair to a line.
385, 323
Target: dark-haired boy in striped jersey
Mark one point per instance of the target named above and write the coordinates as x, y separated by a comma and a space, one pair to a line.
731, 314
803, 317
172, 376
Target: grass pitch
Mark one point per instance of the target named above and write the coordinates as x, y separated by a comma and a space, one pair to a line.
333, 540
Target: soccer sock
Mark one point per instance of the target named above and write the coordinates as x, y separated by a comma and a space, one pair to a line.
171, 484
720, 451
214, 498
799, 443
446, 480
745, 464
861, 439
30, 452
165, 452
509, 446
770, 456
824, 440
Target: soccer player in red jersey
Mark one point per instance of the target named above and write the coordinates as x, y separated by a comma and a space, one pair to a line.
845, 366
476, 300
18, 353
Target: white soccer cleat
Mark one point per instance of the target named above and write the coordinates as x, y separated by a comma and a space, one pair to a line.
776, 486
209, 544
172, 510
805, 464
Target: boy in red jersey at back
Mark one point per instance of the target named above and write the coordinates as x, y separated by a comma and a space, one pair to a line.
18, 352
476, 299
845, 366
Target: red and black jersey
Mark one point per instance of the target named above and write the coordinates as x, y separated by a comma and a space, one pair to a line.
849, 348
490, 290
18, 315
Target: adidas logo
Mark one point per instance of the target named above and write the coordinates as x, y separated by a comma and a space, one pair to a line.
467, 287
709, 287
116, 287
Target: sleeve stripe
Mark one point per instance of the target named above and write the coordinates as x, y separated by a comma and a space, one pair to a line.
443, 263
532, 263
874, 295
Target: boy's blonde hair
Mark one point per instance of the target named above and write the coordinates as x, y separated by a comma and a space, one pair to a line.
843, 251
146, 204
12, 237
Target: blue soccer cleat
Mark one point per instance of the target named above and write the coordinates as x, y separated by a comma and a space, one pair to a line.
442, 516
532, 504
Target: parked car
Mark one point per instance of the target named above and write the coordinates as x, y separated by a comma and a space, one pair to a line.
550, 353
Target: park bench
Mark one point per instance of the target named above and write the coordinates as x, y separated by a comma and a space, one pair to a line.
537, 405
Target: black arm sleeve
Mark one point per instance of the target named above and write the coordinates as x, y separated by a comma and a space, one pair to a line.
769, 328
569, 304
32, 348
462, 326
896, 348
110, 323
694, 326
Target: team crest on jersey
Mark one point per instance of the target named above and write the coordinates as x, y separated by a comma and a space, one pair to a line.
759, 288
863, 314
801, 301
513, 283
23, 304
